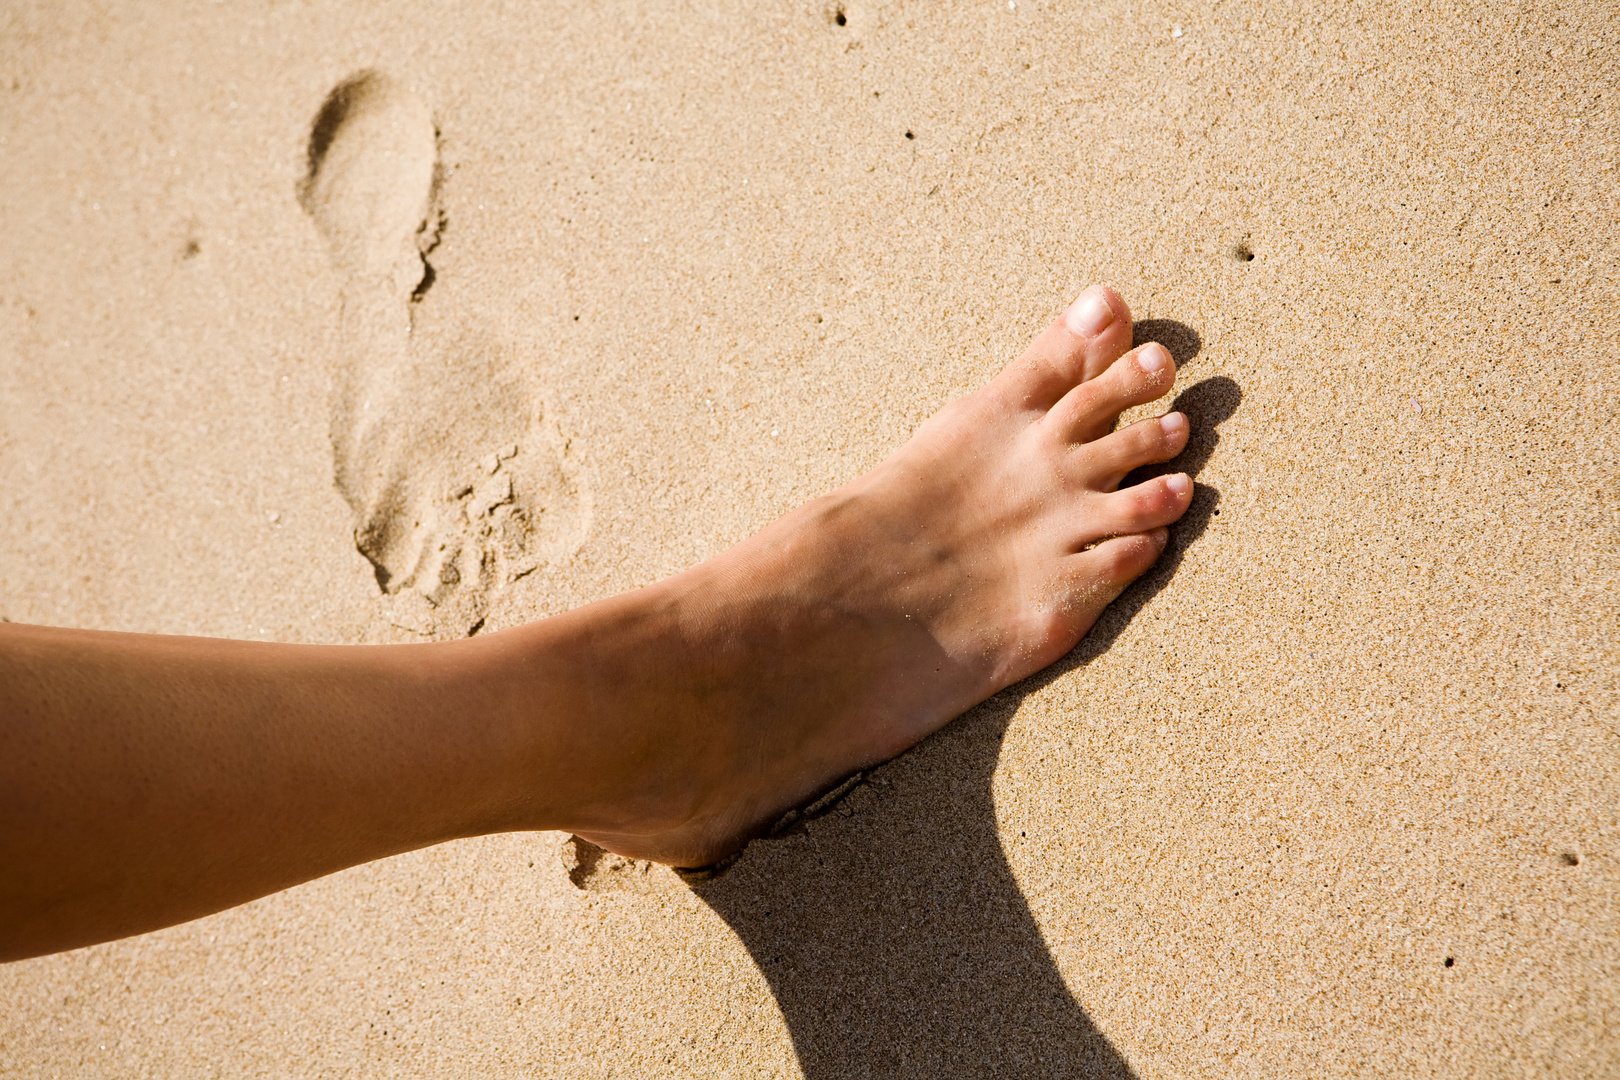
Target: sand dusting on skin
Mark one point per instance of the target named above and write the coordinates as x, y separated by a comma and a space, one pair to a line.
1331, 794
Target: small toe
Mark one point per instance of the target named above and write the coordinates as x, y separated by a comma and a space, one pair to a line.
1080, 344
1140, 507
1146, 442
1108, 568
1090, 410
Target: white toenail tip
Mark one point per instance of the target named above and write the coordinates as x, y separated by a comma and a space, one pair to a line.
1153, 360
1090, 314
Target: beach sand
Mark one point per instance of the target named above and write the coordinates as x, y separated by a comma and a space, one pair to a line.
1333, 792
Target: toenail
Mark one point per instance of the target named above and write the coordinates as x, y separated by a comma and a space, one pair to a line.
1173, 424
1179, 484
1153, 358
1090, 314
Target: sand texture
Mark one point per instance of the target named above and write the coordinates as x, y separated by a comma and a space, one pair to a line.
566, 297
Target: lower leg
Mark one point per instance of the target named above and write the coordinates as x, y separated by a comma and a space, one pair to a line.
145, 780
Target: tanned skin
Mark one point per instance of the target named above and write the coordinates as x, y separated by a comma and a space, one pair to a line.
147, 780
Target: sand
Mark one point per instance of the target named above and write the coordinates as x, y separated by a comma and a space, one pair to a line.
1332, 793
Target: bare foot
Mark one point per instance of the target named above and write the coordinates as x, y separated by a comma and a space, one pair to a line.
855, 626
162, 778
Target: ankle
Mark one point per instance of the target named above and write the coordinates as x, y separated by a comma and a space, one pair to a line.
607, 726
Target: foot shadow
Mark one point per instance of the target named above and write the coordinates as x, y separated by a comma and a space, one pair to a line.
1182, 340
891, 928
1207, 404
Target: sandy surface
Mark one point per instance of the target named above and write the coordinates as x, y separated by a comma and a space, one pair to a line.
1332, 793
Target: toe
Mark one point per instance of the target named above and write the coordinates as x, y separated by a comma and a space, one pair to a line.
1120, 561
1099, 574
1140, 507
1080, 344
1090, 410
1105, 462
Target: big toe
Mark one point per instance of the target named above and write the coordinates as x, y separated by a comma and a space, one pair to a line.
1080, 344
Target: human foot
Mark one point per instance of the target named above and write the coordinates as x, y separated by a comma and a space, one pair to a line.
672, 724
855, 626
458, 481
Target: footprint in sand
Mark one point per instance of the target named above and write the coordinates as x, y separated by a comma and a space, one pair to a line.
459, 482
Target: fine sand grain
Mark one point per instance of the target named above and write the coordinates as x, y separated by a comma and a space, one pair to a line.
352, 322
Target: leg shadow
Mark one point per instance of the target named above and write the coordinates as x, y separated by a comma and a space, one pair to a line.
891, 928
895, 937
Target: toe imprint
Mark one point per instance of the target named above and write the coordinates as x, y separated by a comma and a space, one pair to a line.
459, 479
